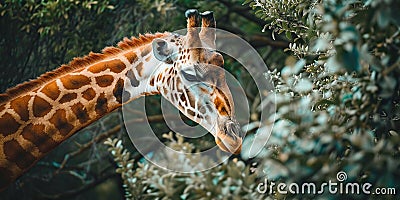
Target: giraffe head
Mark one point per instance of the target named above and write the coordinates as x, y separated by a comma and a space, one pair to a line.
196, 82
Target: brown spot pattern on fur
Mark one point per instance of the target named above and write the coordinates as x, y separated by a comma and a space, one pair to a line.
59, 120
51, 90
116, 66
224, 96
101, 105
220, 105
77, 63
132, 78
89, 94
72, 82
80, 112
191, 99
131, 56
36, 135
15, 153
183, 100
139, 69
159, 77
146, 50
40, 107
20, 106
118, 90
152, 81
68, 97
8, 125
191, 113
104, 80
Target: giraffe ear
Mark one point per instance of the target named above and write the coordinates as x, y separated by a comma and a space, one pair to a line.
162, 50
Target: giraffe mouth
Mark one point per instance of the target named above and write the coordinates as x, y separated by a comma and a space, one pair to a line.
229, 138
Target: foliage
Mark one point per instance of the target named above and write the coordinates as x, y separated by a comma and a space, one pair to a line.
338, 105
42, 35
231, 180
34, 33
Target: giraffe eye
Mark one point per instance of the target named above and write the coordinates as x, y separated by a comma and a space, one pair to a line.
189, 77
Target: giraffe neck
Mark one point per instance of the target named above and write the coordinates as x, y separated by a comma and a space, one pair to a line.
35, 121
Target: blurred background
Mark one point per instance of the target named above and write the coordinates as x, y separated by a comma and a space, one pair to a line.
335, 66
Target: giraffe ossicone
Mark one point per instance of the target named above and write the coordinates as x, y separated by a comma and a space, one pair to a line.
185, 69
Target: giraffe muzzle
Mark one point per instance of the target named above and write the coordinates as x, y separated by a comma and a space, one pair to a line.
229, 138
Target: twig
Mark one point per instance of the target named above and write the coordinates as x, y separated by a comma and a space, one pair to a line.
242, 12
257, 41
72, 193
85, 146
101, 137
391, 68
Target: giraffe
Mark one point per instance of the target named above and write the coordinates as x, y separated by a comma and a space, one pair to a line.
38, 115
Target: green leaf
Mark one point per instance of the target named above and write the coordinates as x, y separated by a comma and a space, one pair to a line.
288, 35
246, 2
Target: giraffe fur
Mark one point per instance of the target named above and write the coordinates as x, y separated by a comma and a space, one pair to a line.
38, 115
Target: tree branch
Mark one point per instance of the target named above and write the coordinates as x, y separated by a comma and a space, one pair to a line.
86, 187
257, 41
244, 12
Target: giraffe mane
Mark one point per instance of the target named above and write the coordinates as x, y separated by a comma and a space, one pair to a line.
78, 63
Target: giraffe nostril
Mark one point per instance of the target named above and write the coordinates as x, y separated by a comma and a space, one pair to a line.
233, 130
